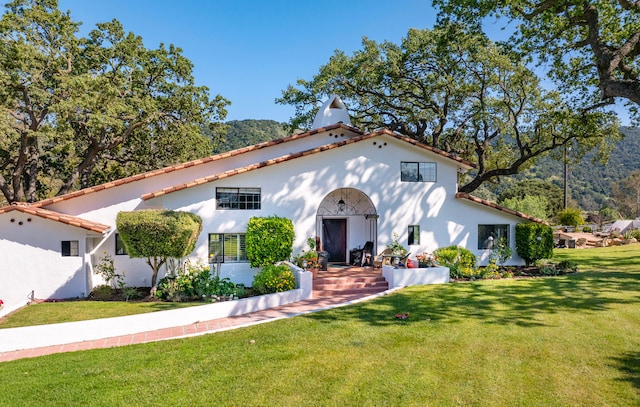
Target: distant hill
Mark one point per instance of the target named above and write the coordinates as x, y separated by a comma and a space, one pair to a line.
243, 133
589, 183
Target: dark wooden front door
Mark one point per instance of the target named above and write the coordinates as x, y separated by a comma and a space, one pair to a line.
334, 239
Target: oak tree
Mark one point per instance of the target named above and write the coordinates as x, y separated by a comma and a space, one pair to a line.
454, 89
77, 111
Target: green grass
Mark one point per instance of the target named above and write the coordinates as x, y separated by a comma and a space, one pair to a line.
561, 341
55, 312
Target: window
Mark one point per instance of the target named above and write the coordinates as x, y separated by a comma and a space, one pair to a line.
414, 234
238, 198
120, 249
70, 248
417, 172
488, 235
227, 247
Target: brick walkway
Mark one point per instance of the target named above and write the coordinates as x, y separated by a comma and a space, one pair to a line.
200, 328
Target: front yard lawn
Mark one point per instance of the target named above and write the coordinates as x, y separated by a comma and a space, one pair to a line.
572, 340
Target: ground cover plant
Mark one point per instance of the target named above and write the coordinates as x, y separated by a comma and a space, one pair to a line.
570, 340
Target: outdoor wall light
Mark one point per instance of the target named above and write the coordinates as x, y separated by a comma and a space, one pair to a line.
341, 205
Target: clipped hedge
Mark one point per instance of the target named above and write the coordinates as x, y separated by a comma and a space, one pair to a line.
269, 240
534, 241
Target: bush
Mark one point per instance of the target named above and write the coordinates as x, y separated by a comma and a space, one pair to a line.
587, 229
102, 293
567, 266
274, 279
269, 240
460, 261
571, 217
196, 283
534, 241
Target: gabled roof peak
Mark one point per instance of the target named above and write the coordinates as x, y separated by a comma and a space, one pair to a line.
332, 111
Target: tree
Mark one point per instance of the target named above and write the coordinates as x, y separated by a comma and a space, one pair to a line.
593, 48
627, 195
533, 205
455, 90
158, 235
549, 194
79, 111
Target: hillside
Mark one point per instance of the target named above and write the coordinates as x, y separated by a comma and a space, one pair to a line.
589, 183
244, 133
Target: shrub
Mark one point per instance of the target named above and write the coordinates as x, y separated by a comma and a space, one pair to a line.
461, 262
571, 217
107, 270
274, 279
587, 229
269, 240
196, 283
567, 266
102, 292
500, 252
534, 241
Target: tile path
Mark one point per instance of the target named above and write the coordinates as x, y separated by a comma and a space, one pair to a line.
200, 328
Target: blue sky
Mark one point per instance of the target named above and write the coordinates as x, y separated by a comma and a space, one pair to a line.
249, 51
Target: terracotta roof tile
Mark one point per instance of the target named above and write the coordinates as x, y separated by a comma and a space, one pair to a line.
192, 163
56, 217
464, 195
292, 156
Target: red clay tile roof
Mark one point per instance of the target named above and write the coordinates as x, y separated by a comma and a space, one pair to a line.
464, 195
56, 217
192, 163
292, 156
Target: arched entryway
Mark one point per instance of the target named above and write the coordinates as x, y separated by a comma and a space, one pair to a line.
346, 219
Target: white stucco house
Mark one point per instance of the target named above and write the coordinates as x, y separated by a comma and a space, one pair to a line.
335, 182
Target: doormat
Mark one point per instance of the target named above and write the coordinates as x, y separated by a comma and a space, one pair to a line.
340, 265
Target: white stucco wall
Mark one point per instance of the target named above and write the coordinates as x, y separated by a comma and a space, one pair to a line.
31, 260
292, 189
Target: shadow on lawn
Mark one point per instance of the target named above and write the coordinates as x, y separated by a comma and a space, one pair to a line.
629, 365
524, 302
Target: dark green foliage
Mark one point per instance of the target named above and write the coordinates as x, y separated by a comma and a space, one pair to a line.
243, 133
269, 240
534, 241
274, 279
102, 292
535, 187
196, 283
92, 109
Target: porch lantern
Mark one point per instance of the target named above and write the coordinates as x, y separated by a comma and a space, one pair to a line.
341, 205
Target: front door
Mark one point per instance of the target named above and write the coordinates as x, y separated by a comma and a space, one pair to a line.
334, 239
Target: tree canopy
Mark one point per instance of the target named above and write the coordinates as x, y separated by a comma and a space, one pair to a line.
81, 111
592, 48
454, 89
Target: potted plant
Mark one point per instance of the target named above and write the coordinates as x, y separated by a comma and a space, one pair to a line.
395, 246
311, 255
